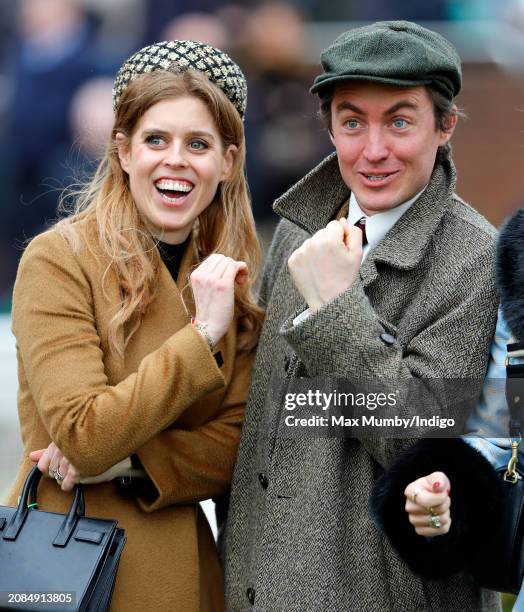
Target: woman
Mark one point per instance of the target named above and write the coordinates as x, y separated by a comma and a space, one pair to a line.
111, 364
459, 500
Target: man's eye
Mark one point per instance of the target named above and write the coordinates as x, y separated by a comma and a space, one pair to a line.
352, 124
399, 123
155, 140
198, 145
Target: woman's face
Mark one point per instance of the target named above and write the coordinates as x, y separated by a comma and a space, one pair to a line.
175, 161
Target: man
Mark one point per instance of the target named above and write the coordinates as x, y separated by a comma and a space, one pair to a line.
412, 297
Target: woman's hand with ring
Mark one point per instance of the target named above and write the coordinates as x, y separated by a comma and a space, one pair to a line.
428, 504
52, 463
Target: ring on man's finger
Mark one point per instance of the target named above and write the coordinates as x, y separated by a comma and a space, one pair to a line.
434, 521
431, 511
58, 476
414, 495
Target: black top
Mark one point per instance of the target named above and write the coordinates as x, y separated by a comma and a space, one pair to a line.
172, 254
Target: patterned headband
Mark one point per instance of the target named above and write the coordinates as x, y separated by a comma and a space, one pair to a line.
183, 54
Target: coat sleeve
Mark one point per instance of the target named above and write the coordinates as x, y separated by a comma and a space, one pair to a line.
347, 339
187, 466
93, 423
475, 506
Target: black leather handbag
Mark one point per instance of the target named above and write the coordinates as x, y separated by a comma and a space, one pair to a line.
51, 561
506, 572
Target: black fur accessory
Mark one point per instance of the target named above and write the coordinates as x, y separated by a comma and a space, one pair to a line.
510, 273
468, 544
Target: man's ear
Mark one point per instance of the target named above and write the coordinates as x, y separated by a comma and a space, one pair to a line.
229, 162
451, 123
122, 144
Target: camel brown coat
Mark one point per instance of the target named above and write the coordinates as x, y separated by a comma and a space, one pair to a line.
167, 400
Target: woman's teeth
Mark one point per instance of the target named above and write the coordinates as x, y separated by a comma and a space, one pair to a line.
171, 191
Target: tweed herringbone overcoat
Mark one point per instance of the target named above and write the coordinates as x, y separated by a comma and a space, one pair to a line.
299, 535
167, 397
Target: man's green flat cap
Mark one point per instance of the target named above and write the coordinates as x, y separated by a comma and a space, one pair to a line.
394, 53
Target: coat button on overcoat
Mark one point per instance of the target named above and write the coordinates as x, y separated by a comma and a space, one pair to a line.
387, 339
262, 479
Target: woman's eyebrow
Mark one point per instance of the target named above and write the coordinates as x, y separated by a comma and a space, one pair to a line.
193, 133
202, 134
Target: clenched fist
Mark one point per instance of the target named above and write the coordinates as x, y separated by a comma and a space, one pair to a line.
428, 504
213, 285
328, 263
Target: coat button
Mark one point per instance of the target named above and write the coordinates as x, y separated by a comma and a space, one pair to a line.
251, 595
387, 339
262, 479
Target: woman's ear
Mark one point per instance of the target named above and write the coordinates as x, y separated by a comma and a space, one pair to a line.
229, 162
122, 144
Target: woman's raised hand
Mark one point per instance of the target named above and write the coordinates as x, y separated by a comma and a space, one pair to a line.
427, 503
213, 284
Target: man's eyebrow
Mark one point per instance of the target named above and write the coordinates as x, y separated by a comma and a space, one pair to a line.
401, 104
345, 105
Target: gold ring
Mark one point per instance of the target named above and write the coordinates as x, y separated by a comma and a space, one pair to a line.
431, 511
434, 521
414, 495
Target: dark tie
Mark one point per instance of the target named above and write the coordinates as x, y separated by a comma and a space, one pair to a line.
361, 224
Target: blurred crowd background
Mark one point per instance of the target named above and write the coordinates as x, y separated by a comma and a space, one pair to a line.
58, 58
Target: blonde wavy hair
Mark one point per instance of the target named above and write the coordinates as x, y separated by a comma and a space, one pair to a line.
226, 226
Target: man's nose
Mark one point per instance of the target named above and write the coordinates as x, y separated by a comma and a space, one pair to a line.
376, 148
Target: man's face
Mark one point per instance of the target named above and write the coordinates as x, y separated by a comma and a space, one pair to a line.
386, 140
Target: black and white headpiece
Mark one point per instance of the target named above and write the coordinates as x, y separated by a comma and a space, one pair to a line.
181, 55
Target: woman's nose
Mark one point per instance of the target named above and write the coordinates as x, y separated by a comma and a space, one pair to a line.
175, 157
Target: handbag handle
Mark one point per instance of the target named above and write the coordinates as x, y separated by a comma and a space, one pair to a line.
29, 492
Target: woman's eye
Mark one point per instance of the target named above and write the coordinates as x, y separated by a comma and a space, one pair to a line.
198, 145
399, 123
352, 124
156, 141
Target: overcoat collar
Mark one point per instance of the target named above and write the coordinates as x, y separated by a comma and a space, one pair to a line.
315, 200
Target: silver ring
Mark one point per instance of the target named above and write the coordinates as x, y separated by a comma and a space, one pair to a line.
434, 521
58, 476
414, 495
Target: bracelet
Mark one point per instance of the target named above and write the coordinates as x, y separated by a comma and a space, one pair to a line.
203, 331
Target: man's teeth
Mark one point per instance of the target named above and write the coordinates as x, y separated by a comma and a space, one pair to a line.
375, 177
173, 186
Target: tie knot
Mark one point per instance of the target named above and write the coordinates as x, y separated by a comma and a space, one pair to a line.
361, 224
